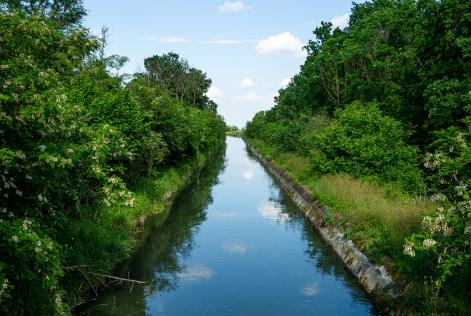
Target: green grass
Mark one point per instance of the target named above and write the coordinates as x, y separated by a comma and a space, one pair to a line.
106, 236
375, 216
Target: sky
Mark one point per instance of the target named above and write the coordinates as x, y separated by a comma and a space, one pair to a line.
250, 49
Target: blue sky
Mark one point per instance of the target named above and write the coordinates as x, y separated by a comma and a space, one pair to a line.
249, 49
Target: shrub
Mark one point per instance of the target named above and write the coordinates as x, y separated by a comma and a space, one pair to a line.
363, 142
446, 237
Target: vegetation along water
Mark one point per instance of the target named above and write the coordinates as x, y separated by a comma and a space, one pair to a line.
235, 245
376, 125
136, 183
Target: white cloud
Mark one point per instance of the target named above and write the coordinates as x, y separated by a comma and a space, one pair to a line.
340, 20
236, 6
283, 42
251, 96
214, 93
246, 82
285, 82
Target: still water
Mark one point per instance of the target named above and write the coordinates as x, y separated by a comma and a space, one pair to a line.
233, 244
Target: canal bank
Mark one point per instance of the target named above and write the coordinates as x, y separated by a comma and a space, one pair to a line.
130, 226
374, 279
235, 245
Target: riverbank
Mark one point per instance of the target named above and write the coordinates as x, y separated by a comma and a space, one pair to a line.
234, 244
101, 242
363, 222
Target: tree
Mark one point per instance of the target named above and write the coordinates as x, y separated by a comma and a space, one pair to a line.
172, 73
65, 12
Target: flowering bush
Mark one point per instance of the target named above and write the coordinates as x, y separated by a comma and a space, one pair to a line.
30, 268
72, 135
446, 236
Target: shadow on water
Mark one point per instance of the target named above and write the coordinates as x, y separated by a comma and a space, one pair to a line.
321, 255
248, 251
158, 260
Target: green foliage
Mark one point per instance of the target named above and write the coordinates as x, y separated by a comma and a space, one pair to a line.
375, 98
63, 12
174, 74
73, 138
154, 150
363, 142
30, 270
445, 240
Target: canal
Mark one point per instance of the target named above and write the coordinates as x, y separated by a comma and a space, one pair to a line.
233, 244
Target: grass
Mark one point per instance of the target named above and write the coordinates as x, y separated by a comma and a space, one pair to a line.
104, 237
375, 216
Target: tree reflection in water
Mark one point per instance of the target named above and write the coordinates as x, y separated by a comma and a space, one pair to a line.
158, 261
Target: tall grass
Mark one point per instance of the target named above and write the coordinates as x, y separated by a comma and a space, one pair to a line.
376, 216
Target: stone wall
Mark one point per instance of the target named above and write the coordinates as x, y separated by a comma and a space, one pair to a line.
375, 279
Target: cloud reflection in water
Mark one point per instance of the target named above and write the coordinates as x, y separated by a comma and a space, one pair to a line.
234, 248
196, 273
272, 210
248, 175
310, 290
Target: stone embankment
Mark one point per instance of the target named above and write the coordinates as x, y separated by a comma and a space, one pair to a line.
375, 279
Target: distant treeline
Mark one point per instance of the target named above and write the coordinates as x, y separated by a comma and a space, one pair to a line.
73, 136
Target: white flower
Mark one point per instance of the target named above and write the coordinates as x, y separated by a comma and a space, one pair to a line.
429, 243
37, 249
447, 230
58, 299
20, 155
408, 250
15, 238
427, 222
42, 147
467, 230
113, 180
39, 243
438, 197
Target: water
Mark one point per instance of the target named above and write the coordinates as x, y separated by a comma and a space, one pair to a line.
234, 244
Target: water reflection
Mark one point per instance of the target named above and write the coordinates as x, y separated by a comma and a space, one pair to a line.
247, 175
195, 273
234, 248
310, 289
235, 245
272, 211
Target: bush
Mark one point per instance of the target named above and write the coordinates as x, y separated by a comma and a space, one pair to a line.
30, 270
72, 139
363, 142
445, 239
